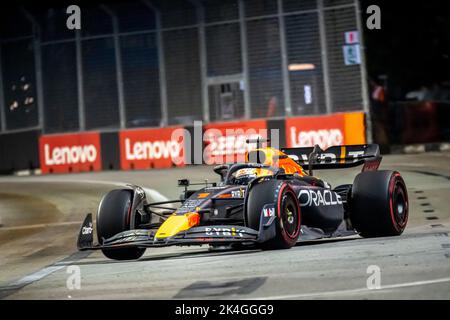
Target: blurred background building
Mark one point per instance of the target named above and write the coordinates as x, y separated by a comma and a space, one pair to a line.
158, 63
163, 63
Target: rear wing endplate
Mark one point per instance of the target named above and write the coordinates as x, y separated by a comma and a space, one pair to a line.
336, 157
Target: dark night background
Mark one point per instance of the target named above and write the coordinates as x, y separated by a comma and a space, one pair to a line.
410, 54
413, 46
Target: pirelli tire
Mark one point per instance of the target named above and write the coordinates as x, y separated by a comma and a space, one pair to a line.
379, 204
287, 211
113, 217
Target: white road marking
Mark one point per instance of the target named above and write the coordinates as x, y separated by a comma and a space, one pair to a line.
50, 179
154, 195
42, 225
42, 273
350, 291
38, 275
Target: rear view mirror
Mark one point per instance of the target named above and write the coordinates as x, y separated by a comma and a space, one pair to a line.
183, 183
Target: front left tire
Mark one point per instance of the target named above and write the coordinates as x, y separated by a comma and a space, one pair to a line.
113, 217
287, 210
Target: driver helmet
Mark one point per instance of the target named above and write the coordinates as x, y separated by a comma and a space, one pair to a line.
244, 176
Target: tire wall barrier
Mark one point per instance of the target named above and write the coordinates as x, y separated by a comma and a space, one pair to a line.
147, 148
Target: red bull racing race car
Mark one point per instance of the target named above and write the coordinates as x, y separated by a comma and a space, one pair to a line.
270, 201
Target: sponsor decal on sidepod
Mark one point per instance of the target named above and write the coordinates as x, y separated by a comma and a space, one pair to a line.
316, 198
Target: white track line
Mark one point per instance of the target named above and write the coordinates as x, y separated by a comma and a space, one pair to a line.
42, 225
35, 276
42, 273
350, 291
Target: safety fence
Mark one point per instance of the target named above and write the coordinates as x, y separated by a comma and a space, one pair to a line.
163, 63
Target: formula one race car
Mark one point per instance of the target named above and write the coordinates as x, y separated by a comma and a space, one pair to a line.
269, 201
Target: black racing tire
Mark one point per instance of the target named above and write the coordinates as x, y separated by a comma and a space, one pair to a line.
379, 204
113, 217
287, 210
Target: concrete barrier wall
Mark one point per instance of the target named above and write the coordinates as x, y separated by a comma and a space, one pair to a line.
147, 148
19, 151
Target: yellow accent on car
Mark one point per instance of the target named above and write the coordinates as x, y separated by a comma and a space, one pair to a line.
177, 223
202, 195
343, 149
274, 157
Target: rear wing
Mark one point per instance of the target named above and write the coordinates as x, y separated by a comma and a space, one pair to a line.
336, 157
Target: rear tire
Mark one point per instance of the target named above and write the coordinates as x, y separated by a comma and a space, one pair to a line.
379, 204
113, 217
287, 210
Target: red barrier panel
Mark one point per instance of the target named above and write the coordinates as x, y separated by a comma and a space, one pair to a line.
165, 147
326, 131
70, 153
151, 148
225, 142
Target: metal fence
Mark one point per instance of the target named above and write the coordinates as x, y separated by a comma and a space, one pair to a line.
157, 63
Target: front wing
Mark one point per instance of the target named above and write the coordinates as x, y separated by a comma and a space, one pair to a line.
214, 234
144, 238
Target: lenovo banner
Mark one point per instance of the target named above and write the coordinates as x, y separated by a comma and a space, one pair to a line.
70, 153
226, 142
326, 131
151, 148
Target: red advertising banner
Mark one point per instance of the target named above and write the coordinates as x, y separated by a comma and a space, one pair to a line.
70, 153
226, 142
151, 148
326, 131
